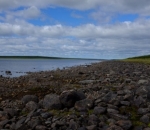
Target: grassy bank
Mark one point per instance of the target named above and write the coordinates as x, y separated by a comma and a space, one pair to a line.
140, 59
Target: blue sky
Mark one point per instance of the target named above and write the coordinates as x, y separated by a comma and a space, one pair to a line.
81, 29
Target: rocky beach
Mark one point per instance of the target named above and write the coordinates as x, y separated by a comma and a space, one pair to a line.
110, 95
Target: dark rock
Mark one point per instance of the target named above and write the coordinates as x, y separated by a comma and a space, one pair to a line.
91, 127
31, 106
11, 112
33, 123
112, 110
146, 129
51, 101
82, 128
68, 98
73, 125
126, 103
28, 98
114, 127
46, 115
3, 116
8, 72
93, 120
109, 96
118, 116
138, 101
143, 111
40, 127
19, 123
3, 123
84, 104
99, 110
144, 119
125, 124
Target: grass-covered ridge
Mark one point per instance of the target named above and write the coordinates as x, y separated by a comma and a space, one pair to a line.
139, 59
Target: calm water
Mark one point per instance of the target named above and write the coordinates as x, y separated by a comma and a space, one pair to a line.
19, 67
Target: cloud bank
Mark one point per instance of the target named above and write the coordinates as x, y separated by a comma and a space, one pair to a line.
102, 40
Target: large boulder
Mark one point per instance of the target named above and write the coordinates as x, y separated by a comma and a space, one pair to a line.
28, 98
51, 101
68, 98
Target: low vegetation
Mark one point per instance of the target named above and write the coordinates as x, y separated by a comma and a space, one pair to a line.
140, 59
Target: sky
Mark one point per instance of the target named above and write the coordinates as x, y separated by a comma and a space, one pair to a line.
98, 29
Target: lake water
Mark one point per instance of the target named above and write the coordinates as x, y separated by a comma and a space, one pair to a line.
19, 67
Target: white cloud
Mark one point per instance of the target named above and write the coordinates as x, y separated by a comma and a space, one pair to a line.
28, 13
124, 6
119, 40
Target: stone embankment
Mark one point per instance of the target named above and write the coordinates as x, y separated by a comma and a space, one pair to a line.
111, 95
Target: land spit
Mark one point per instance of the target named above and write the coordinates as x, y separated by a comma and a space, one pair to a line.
110, 95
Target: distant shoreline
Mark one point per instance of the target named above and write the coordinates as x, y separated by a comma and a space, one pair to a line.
42, 57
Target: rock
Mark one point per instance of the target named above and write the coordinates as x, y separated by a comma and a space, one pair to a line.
93, 120
3, 123
138, 101
118, 116
91, 127
8, 72
33, 123
143, 111
112, 110
28, 98
51, 101
12, 112
99, 110
84, 104
82, 128
144, 119
73, 125
31, 106
142, 82
68, 98
3, 116
19, 123
84, 82
109, 96
40, 127
126, 103
125, 124
114, 127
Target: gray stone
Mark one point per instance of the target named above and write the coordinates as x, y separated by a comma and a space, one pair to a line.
114, 127
143, 111
68, 98
12, 112
84, 104
109, 110
91, 127
31, 106
99, 110
118, 116
144, 119
142, 82
109, 96
40, 127
51, 101
93, 120
73, 125
28, 98
126, 103
125, 124
87, 81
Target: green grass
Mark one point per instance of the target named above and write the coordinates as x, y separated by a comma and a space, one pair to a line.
140, 59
